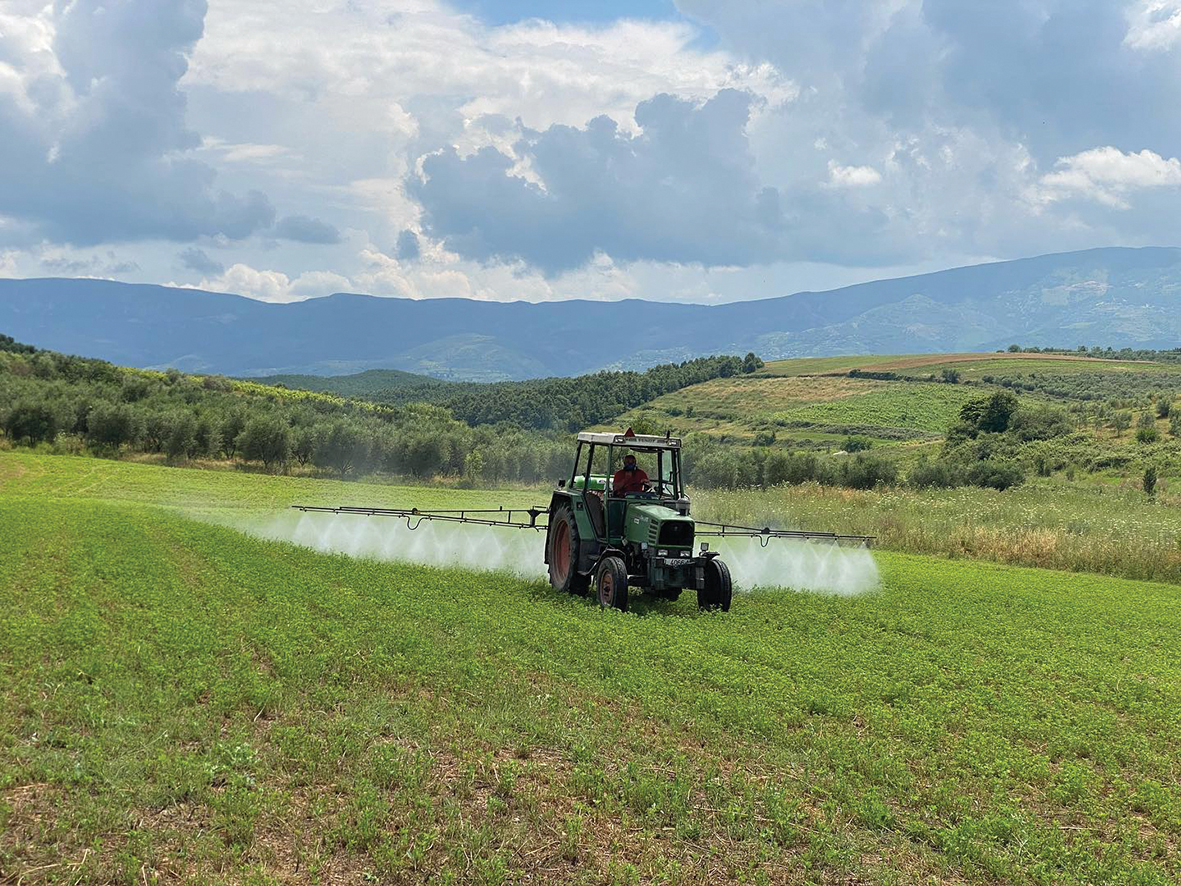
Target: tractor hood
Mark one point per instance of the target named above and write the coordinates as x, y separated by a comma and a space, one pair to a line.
657, 524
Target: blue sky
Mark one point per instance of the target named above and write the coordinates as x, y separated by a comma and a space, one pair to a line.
695, 150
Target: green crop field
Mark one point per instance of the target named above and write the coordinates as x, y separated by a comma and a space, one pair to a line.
968, 364
816, 408
185, 703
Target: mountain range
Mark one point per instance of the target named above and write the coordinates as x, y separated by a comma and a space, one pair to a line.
1119, 297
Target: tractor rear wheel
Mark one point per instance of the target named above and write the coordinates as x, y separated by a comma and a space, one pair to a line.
563, 553
718, 590
611, 583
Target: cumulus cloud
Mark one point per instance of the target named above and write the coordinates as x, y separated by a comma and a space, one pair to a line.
539, 160
684, 189
275, 286
8, 262
1155, 25
96, 146
304, 229
852, 176
1109, 176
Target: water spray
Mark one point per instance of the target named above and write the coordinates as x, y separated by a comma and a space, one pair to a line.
793, 564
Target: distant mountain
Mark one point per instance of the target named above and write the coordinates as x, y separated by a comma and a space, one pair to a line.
1118, 297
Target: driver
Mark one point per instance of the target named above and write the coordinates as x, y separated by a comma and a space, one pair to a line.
629, 478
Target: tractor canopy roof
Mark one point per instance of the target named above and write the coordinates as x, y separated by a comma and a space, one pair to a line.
646, 442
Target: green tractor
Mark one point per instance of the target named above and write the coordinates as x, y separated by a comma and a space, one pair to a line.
601, 535
613, 533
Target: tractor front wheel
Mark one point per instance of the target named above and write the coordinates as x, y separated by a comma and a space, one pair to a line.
563, 553
611, 583
718, 590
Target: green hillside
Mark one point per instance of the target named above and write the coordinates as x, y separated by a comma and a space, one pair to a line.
902, 399
185, 702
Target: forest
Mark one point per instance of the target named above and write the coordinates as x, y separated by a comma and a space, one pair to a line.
568, 404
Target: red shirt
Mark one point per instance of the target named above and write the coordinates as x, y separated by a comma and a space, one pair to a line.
626, 481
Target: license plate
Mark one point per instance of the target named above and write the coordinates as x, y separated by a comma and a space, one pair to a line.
676, 562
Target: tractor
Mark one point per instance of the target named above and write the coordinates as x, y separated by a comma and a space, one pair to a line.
641, 539
615, 540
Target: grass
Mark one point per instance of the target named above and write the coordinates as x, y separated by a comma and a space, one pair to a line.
211, 492
1111, 529
184, 703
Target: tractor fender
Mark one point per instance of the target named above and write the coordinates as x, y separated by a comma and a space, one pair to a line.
556, 500
605, 552
588, 553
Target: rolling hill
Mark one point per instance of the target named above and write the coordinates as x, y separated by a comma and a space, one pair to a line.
1116, 296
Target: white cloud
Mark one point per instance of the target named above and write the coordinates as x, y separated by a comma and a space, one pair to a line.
360, 51
1109, 176
326, 107
275, 286
852, 176
1155, 25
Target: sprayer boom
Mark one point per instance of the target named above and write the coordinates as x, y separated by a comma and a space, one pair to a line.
729, 530
514, 518
620, 521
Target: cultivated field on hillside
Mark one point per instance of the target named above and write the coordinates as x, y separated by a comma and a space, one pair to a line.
892, 400
183, 702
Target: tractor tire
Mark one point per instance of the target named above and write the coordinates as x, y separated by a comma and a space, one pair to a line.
611, 583
718, 590
563, 554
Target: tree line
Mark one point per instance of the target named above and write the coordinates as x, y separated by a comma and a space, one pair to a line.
569, 404
82, 405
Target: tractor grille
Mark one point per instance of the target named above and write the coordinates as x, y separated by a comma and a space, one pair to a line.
677, 532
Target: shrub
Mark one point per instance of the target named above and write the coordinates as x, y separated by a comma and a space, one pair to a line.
1150, 480
1175, 424
1164, 406
991, 414
995, 474
1147, 434
855, 443
935, 475
792, 468
865, 471
1040, 423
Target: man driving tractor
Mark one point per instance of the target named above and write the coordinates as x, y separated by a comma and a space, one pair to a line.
630, 478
